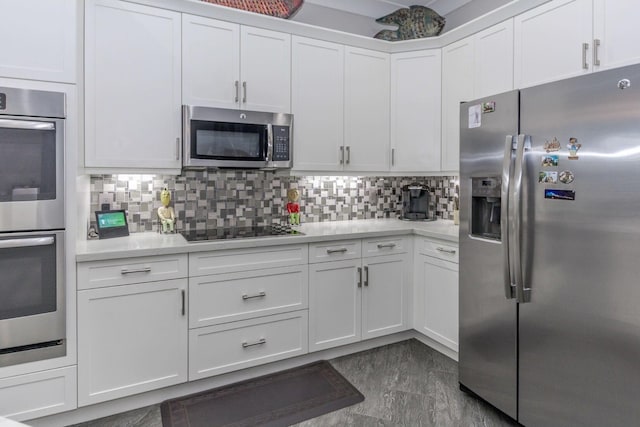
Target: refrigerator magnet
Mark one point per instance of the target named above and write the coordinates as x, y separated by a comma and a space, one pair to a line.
554, 194
488, 107
573, 147
553, 145
566, 177
475, 116
545, 177
550, 160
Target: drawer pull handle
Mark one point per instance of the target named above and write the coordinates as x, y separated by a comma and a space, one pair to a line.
337, 251
259, 342
359, 277
447, 251
386, 245
260, 294
366, 275
183, 294
140, 270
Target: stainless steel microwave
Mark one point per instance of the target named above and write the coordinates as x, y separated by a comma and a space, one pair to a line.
224, 138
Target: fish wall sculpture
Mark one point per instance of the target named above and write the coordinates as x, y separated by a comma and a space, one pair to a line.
414, 22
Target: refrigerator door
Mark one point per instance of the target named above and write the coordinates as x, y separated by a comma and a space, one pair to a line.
488, 314
579, 334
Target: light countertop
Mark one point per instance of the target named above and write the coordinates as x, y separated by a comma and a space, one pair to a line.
148, 244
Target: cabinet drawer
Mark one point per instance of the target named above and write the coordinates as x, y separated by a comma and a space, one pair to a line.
228, 297
98, 274
25, 397
385, 246
217, 349
331, 251
437, 249
227, 261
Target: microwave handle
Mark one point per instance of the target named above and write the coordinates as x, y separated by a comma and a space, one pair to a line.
269, 154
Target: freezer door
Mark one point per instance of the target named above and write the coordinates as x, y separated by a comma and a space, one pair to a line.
580, 330
488, 315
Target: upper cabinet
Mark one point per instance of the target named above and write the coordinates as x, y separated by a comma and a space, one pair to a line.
39, 40
366, 110
227, 65
132, 79
317, 97
616, 31
475, 67
415, 111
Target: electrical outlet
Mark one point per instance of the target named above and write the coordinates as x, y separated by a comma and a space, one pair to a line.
104, 200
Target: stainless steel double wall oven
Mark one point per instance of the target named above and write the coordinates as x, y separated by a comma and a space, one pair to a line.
32, 227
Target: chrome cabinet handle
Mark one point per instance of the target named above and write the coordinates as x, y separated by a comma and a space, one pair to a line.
446, 251
393, 156
26, 243
510, 144
359, 277
177, 148
366, 275
585, 48
184, 304
244, 92
140, 270
342, 155
337, 251
386, 245
259, 342
260, 294
348, 155
596, 45
237, 92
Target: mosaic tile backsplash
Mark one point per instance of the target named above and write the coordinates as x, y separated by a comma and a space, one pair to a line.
209, 199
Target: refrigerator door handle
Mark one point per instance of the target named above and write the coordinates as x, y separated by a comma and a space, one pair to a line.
510, 146
522, 295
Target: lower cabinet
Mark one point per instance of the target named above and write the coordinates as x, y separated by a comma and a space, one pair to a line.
36, 395
436, 294
355, 299
131, 339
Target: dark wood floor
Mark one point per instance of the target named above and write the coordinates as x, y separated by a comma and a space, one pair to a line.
404, 384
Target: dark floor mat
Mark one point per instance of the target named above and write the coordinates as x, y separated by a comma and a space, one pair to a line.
279, 399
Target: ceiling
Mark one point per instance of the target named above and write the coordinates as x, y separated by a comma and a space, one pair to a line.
377, 8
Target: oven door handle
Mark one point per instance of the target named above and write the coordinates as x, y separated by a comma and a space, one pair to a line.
26, 243
24, 124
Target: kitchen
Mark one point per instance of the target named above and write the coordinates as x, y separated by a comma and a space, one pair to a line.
330, 87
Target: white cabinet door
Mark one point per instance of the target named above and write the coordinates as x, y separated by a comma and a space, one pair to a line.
366, 104
493, 70
334, 304
132, 76
616, 27
210, 62
384, 296
457, 86
415, 111
317, 92
436, 305
131, 339
549, 42
39, 40
265, 58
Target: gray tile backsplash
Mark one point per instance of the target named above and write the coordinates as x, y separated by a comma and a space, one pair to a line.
208, 199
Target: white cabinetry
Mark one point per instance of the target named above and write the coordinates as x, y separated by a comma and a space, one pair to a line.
132, 338
132, 93
317, 97
39, 40
475, 67
228, 65
436, 291
616, 28
353, 298
415, 111
366, 110
247, 307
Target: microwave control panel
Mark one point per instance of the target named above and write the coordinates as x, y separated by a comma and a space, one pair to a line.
281, 143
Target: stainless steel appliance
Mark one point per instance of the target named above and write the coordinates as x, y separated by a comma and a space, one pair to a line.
223, 138
32, 237
416, 203
226, 233
549, 250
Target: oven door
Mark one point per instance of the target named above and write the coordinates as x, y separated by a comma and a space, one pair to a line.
32, 315
31, 173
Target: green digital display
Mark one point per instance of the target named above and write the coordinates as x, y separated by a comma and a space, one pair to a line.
112, 219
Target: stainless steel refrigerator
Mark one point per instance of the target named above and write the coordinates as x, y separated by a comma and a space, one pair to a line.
550, 251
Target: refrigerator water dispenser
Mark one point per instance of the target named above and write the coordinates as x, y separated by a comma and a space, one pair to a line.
486, 207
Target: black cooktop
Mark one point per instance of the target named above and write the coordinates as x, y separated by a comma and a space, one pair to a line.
239, 233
